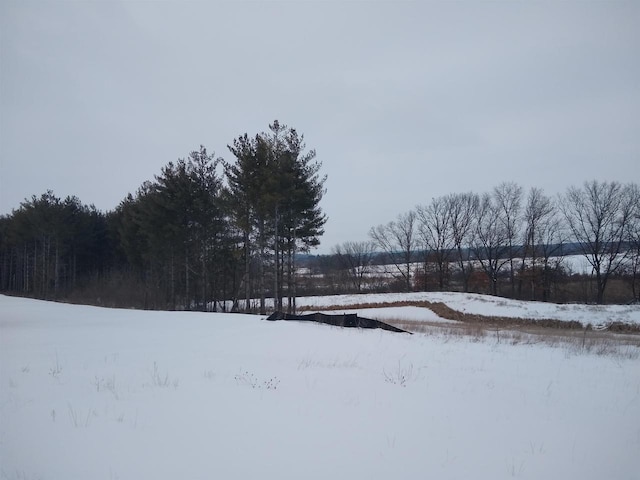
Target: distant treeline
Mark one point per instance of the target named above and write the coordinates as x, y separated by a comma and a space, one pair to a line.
504, 242
204, 230
207, 233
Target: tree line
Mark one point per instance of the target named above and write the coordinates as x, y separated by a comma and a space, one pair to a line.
204, 234
212, 234
505, 241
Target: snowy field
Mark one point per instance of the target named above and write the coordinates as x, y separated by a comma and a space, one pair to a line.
92, 393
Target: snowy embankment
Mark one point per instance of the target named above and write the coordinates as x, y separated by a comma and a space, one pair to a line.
596, 315
99, 393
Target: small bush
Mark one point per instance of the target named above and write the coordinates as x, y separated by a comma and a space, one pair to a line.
400, 375
248, 379
160, 380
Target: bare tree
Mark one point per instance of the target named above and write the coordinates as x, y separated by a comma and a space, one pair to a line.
355, 259
463, 208
633, 237
598, 215
436, 234
542, 242
508, 199
491, 240
398, 239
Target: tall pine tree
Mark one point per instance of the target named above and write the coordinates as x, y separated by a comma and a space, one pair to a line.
275, 189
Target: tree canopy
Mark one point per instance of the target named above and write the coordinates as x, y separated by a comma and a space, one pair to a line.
202, 231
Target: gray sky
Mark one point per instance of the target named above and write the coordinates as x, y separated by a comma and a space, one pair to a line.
403, 101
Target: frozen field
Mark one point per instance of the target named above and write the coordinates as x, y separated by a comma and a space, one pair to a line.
92, 393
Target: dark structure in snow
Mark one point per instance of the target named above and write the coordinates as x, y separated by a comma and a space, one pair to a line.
341, 320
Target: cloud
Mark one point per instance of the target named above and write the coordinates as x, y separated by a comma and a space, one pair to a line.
403, 101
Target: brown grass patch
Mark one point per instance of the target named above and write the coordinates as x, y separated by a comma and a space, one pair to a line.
573, 342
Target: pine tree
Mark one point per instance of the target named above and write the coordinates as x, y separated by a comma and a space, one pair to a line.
275, 189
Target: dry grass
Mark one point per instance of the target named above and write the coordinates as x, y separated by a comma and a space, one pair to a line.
618, 341
448, 313
574, 342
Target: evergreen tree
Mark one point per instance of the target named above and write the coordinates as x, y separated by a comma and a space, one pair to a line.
274, 190
48, 243
171, 232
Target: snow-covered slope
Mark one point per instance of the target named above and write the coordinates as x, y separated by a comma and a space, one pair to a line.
91, 393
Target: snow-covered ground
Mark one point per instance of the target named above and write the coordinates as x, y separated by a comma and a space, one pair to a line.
92, 393
595, 315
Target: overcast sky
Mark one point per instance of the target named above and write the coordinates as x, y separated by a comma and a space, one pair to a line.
403, 101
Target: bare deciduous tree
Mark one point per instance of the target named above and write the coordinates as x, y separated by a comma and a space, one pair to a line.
436, 234
508, 199
598, 215
355, 259
491, 240
398, 239
542, 242
633, 237
463, 208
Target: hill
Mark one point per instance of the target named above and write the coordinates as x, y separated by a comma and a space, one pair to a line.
89, 392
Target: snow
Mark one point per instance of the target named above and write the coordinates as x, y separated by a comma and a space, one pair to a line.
87, 392
490, 306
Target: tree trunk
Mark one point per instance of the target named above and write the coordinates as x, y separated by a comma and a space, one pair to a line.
262, 273
204, 280
173, 283
247, 271
35, 267
55, 281
601, 283
465, 276
187, 298
75, 269
276, 297
25, 285
293, 272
